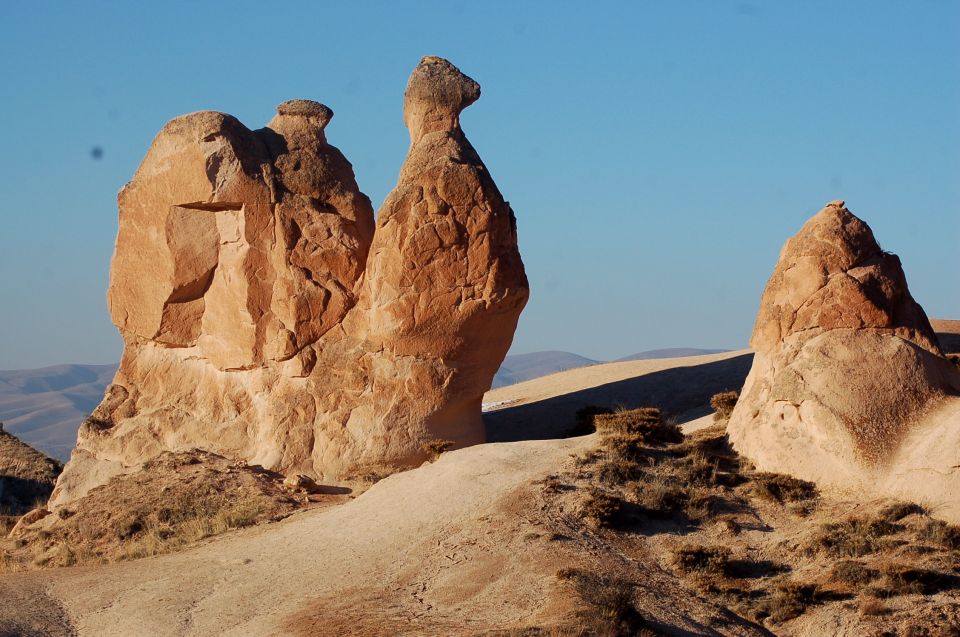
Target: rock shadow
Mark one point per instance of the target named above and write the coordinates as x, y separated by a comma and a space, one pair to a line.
680, 390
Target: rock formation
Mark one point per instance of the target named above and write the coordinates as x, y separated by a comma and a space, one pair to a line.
848, 380
26, 475
266, 319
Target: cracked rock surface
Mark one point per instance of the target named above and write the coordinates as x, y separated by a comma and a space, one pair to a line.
848, 386
267, 317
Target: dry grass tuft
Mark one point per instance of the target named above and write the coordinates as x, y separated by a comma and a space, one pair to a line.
940, 533
705, 560
853, 573
601, 510
645, 425
723, 404
435, 447
855, 537
783, 489
787, 601
607, 603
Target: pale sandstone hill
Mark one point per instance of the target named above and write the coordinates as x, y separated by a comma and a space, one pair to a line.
948, 333
546, 407
264, 317
849, 387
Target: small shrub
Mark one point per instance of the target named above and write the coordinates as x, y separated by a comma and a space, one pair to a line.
645, 424
435, 446
699, 505
608, 603
940, 533
904, 580
619, 471
659, 498
625, 447
853, 573
697, 468
711, 560
601, 510
853, 538
723, 404
584, 420
781, 488
899, 510
787, 601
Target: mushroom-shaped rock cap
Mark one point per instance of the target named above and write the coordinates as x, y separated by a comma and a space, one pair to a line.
307, 108
436, 94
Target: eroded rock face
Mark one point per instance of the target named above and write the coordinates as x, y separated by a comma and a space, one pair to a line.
267, 319
847, 372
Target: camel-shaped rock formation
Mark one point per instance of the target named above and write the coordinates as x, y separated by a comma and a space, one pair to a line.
267, 317
849, 387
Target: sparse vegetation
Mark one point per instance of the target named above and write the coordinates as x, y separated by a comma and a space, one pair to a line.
783, 489
607, 604
601, 510
855, 537
652, 475
705, 560
723, 404
644, 425
940, 533
176, 500
788, 600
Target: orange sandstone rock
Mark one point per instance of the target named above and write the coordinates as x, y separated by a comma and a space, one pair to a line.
266, 319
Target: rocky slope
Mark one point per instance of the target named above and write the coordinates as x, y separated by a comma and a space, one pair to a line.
27, 476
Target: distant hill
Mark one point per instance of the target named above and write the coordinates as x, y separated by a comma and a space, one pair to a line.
44, 407
520, 367
670, 352
517, 368
948, 332
26, 475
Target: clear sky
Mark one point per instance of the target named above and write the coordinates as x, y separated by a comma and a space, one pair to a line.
657, 154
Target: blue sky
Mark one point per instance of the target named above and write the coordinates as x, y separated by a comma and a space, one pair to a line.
657, 154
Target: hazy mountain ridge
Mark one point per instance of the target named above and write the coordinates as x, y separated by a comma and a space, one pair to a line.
44, 407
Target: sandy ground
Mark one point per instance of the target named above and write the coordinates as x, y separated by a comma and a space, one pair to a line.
546, 407
459, 546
